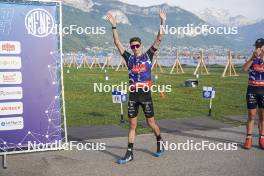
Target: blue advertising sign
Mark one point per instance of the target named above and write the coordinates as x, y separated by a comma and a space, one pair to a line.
30, 110
119, 97
208, 92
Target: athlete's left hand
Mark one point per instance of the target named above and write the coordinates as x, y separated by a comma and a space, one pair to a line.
262, 52
162, 15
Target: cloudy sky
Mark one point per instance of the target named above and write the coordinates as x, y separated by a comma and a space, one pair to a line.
252, 9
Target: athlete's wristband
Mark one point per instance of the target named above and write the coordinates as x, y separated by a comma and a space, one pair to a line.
153, 49
114, 27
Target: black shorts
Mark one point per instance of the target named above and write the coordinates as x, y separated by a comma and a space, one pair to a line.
142, 99
255, 97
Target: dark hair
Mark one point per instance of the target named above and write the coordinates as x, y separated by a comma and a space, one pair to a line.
135, 39
259, 43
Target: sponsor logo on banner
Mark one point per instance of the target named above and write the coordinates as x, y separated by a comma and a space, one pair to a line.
10, 47
11, 93
10, 63
11, 123
39, 23
10, 108
10, 78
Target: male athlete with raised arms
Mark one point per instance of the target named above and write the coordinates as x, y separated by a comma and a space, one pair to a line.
139, 72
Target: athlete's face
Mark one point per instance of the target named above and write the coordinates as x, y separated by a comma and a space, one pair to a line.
136, 48
262, 49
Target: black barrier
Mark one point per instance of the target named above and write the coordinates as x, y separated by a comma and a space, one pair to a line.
191, 83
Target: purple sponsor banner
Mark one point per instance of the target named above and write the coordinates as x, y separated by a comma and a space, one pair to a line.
29, 75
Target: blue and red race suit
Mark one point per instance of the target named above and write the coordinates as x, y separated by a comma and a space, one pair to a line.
255, 90
139, 69
139, 73
256, 73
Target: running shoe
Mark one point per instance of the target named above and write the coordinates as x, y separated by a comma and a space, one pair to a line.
128, 157
160, 148
248, 143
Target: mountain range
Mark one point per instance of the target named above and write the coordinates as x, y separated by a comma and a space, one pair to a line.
218, 17
144, 22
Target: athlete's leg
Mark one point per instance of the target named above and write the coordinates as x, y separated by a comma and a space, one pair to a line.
132, 129
131, 138
250, 126
261, 128
132, 114
251, 120
148, 109
252, 103
261, 121
152, 124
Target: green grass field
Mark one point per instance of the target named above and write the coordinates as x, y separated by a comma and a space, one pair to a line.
84, 107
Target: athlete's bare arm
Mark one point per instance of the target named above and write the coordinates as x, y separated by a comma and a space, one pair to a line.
160, 35
249, 62
118, 44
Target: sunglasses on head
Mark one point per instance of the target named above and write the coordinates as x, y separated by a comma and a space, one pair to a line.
135, 46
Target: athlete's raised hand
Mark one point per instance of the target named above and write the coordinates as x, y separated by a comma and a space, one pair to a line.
257, 53
163, 16
111, 19
156, 44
